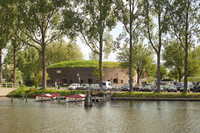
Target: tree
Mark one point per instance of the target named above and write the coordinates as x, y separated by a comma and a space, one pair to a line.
16, 45
61, 51
91, 19
184, 24
128, 13
4, 32
28, 62
194, 62
96, 72
156, 10
142, 59
39, 22
173, 56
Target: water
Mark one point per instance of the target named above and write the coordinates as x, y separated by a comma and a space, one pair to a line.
109, 117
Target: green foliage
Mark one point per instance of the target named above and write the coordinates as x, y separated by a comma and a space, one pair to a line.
8, 73
74, 64
173, 56
31, 92
38, 77
96, 72
142, 59
61, 51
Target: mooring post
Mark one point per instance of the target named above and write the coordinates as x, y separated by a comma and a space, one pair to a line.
76, 99
12, 97
23, 96
59, 98
88, 99
42, 97
26, 97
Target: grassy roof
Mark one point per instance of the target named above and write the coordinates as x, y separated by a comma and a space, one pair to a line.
74, 64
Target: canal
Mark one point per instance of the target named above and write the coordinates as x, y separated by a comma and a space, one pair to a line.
107, 117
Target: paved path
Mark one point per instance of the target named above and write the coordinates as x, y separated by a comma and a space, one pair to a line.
5, 91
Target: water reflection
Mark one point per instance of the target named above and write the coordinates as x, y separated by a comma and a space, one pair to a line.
102, 117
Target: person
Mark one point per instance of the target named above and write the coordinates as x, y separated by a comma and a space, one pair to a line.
58, 85
55, 85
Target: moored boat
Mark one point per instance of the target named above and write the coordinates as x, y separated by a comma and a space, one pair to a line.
75, 98
47, 97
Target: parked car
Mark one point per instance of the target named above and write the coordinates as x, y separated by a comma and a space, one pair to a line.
106, 85
73, 86
178, 85
161, 88
95, 87
116, 87
137, 87
196, 87
148, 87
125, 87
166, 88
189, 87
83, 87
172, 88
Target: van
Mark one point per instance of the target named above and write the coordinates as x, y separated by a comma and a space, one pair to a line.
106, 85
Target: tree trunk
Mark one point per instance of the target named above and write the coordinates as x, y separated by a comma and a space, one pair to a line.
130, 56
100, 59
14, 69
158, 72
186, 50
0, 67
44, 82
138, 77
158, 52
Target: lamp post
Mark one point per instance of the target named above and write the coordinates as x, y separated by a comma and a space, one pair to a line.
78, 77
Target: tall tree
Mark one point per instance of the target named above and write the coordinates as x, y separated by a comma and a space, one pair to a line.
4, 32
185, 23
142, 59
91, 19
173, 55
156, 10
39, 22
128, 13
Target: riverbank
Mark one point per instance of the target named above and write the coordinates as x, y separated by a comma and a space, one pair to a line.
31, 92
151, 96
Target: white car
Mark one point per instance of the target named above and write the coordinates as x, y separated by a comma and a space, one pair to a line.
106, 85
73, 86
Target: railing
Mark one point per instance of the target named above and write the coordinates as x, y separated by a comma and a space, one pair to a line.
9, 85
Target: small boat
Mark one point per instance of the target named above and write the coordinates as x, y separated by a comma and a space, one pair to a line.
75, 98
47, 97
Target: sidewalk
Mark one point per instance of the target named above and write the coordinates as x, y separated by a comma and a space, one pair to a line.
5, 91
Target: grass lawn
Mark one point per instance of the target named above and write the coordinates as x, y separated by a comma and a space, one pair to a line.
156, 95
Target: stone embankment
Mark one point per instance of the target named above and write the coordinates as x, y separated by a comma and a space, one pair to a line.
4, 91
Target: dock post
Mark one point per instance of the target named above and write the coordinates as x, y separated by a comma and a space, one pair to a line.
88, 99
26, 97
95, 100
42, 98
76, 99
12, 98
23, 96
59, 98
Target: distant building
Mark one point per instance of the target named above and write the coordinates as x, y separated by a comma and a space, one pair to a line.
82, 72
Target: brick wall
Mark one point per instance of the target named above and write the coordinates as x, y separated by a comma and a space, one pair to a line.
69, 75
